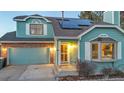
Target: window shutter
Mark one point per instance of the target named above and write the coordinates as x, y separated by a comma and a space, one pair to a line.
27, 29
119, 50
45, 29
87, 51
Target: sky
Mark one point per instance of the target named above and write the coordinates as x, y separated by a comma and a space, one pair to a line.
7, 24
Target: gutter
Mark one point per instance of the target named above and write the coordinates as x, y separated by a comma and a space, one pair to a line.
26, 41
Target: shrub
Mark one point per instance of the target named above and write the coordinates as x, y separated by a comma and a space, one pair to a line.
78, 63
117, 72
107, 71
85, 68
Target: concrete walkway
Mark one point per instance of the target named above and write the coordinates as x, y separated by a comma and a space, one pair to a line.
28, 73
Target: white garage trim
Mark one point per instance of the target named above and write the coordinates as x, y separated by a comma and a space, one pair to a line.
8, 56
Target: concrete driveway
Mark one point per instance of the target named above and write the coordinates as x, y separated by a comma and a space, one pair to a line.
28, 73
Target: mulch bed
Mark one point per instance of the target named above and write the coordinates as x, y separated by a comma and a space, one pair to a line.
76, 78
91, 77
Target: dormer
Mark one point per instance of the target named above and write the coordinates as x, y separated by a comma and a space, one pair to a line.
34, 26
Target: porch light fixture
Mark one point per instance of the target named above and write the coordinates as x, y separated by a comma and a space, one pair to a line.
4, 51
52, 49
71, 45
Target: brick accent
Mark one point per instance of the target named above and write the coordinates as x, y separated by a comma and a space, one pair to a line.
28, 45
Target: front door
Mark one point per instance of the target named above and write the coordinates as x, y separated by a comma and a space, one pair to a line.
64, 56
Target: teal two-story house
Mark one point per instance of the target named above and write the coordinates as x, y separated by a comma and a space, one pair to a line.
51, 40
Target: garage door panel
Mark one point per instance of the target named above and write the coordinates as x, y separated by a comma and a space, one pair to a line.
28, 55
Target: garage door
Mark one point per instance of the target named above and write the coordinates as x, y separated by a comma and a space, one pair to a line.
28, 55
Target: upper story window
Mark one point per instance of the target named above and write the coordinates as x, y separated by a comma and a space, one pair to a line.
36, 29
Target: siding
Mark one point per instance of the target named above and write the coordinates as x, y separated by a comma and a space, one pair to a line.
117, 17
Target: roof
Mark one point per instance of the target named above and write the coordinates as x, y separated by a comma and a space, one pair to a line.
66, 32
104, 39
11, 36
59, 30
25, 16
20, 17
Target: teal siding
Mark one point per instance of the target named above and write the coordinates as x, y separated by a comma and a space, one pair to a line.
113, 33
29, 55
21, 29
117, 17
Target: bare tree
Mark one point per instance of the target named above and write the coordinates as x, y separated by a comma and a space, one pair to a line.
96, 16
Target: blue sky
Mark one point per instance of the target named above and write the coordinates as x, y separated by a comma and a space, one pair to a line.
6, 18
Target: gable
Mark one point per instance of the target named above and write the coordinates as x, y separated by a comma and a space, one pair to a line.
102, 27
36, 21
23, 28
24, 18
112, 32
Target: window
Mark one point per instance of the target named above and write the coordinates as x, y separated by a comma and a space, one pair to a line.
95, 51
108, 50
103, 51
36, 29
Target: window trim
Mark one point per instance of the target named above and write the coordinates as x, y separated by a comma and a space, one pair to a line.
68, 57
100, 50
37, 34
92, 51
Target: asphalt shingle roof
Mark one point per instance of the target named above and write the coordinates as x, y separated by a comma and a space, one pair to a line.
20, 17
64, 32
58, 30
11, 36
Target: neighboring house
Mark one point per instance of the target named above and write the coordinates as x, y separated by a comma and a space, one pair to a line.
44, 40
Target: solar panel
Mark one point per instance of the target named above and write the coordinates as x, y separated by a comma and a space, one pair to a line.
70, 26
80, 21
74, 23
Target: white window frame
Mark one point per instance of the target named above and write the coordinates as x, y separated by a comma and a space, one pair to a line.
35, 21
100, 50
37, 34
68, 59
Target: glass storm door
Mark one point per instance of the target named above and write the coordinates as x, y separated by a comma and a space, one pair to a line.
64, 53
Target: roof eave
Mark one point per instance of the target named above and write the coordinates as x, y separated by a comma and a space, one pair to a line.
26, 41
32, 17
63, 37
114, 26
